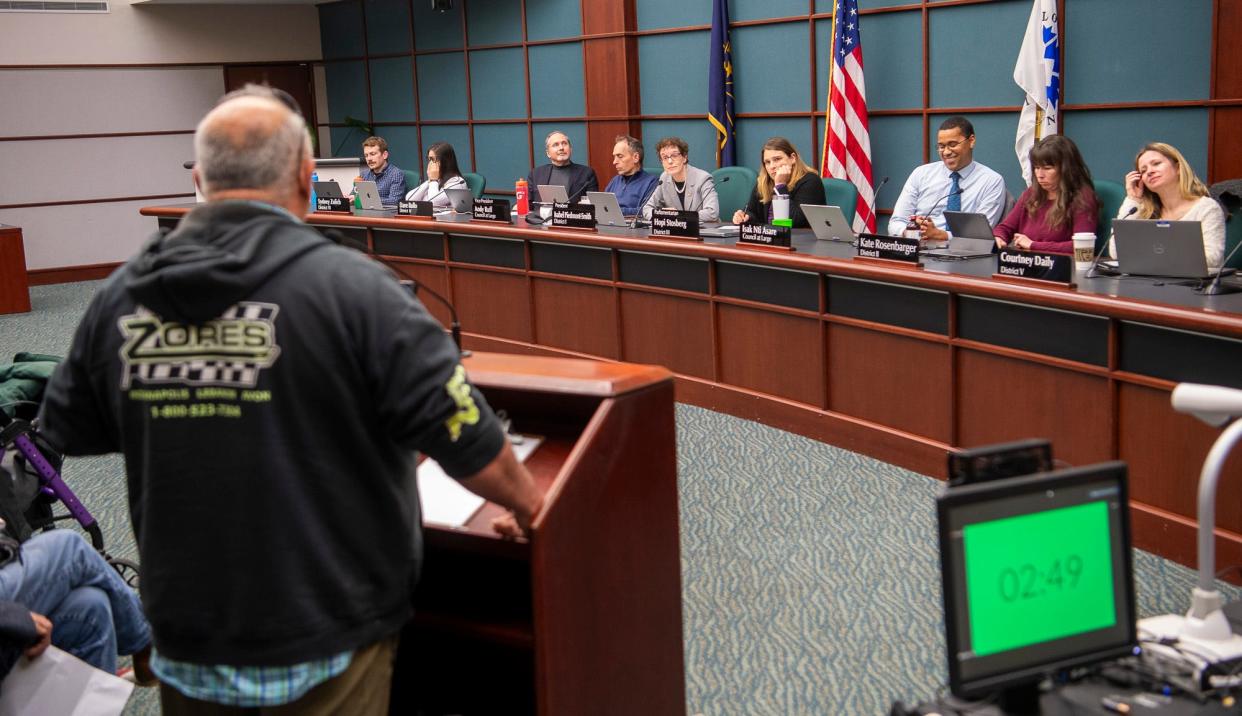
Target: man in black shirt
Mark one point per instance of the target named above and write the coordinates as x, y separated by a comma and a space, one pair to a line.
576, 178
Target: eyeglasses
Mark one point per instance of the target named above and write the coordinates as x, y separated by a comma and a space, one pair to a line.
949, 146
670, 157
432, 160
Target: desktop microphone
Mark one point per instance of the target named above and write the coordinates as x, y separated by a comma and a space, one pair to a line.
946, 197
454, 325
1095, 265
875, 194
1216, 288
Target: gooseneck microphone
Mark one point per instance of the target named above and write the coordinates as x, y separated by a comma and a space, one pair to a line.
1095, 265
946, 197
454, 325
1216, 288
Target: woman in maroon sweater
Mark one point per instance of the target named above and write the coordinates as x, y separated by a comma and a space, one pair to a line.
1059, 204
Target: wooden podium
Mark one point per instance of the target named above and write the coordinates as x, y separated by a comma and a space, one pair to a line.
585, 617
14, 294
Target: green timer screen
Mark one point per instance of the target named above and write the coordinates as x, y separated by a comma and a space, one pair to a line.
1033, 578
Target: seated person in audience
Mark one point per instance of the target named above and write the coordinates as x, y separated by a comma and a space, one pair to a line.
442, 173
60, 590
955, 183
1163, 186
783, 174
632, 185
682, 186
561, 171
1059, 204
387, 177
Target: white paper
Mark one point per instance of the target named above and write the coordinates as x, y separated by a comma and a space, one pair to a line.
59, 683
444, 500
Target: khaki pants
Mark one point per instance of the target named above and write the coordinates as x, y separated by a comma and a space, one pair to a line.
361, 689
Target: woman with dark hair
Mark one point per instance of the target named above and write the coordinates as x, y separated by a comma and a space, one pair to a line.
1059, 203
783, 174
442, 173
1163, 186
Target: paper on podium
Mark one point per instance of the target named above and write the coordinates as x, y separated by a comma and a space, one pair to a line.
59, 683
444, 500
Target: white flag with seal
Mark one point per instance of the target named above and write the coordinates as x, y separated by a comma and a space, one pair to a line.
1038, 73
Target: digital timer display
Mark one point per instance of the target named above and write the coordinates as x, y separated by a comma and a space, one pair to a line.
1038, 577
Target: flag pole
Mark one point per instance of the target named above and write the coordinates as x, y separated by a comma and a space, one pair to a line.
832, 66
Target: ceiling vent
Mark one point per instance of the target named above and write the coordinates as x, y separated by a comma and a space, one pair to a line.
52, 6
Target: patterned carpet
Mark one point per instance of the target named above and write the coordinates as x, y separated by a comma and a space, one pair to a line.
810, 574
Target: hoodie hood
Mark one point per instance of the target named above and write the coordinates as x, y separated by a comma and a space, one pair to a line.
217, 256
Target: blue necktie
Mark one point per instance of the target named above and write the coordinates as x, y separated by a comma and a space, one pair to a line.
955, 194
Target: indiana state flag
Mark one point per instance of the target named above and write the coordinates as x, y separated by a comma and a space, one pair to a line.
1038, 73
720, 86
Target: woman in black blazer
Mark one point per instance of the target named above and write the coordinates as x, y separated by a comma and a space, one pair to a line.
784, 174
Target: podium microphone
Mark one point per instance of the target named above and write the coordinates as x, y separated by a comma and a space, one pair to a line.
454, 325
1216, 288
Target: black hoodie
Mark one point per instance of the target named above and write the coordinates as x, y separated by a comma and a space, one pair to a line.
268, 389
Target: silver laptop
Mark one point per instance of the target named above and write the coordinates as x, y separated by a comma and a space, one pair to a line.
829, 223
368, 196
328, 190
968, 225
461, 200
607, 209
549, 193
1155, 247
719, 231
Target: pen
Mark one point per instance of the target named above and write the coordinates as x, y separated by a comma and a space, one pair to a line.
1114, 704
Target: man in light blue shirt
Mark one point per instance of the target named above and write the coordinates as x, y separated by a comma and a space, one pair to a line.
955, 183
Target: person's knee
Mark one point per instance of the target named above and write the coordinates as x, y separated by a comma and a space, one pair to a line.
82, 626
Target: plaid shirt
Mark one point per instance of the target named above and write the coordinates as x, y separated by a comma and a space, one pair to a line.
248, 686
390, 182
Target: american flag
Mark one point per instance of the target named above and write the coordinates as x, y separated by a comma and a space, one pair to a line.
847, 143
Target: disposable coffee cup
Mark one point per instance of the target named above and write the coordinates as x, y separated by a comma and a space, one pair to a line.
1084, 251
780, 207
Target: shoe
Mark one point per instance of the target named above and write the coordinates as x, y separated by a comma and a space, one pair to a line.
140, 673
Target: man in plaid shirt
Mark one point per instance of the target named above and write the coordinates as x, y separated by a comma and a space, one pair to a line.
388, 178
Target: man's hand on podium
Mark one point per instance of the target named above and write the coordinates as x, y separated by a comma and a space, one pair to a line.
506, 482
512, 525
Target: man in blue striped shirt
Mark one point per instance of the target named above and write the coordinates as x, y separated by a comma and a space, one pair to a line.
388, 178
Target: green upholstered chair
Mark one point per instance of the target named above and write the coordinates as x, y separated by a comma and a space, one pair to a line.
733, 193
1110, 194
842, 193
412, 180
476, 182
1233, 235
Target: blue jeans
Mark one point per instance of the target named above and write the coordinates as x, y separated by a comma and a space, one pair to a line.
94, 614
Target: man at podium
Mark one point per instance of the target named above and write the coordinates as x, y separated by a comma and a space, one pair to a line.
269, 389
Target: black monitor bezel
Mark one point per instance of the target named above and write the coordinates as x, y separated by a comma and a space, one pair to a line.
954, 497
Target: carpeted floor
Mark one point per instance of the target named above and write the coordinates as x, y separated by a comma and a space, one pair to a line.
810, 574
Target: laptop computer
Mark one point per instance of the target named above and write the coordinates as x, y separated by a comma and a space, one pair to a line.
328, 190
1155, 247
970, 237
968, 225
607, 209
719, 230
368, 196
549, 193
829, 223
461, 200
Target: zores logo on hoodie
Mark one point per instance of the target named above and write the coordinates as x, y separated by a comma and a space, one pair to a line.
230, 350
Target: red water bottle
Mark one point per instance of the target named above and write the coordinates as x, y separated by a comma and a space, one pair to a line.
523, 199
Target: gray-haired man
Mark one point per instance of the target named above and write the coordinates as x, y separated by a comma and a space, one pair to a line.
561, 170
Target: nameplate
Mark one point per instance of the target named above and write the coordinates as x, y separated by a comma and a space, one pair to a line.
675, 222
573, 216
888, 248
1056, 268
765, 235
415, 208
331, 203
492, 210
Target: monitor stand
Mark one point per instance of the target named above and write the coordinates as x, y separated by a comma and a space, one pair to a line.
1020, 699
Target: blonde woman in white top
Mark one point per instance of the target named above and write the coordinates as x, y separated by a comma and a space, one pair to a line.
442, 173
1163, 186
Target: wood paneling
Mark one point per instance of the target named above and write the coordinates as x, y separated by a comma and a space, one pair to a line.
667, 330
1226, 149
492, 303
1001, 399
889, 379
432, 277
578, 317
71, 274
772, 353
14, 292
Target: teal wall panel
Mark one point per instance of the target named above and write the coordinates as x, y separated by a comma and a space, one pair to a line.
346, 142
441, 86
673, 73
456, 134
1141, 51
892, 45
770, 69
388, 26
402, 146
435, 30
698, 133
347, 90
1109, 139
493, 22
866, 4
655, 14
498, 84
576, 131
501, 149
392, 90
556, 80
340, 30
994, 140
740, 10
553, 19
896, 149
973, 50
753, 132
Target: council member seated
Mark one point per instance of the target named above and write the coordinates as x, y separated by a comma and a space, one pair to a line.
631, 185
783, 174
1059, 204
1163, 186
682, 186
955, 183
561, 171
387, 177
442, 173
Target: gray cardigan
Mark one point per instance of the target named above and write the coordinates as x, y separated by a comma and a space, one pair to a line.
700, 195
